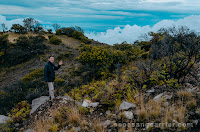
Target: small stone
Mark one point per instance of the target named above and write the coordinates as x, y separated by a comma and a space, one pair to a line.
16, 124
95, 104
167, 97
149, 126
22, 129
77, 129
29, 130
195, 122
106, 123
151, 91
126, 105
192, 89
157, 97
174, 121
166, 103
107, 112
191, 113
87, 103
188, 85
128, 114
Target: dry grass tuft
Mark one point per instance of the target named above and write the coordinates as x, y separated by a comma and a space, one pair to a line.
183, 94
97, 127
142, 113
154, 109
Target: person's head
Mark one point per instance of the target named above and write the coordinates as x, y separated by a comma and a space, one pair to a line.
51, 58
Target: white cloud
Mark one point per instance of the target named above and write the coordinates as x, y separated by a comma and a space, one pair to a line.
132, 33
9, 23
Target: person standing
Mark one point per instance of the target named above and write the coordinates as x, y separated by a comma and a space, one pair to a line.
49, 75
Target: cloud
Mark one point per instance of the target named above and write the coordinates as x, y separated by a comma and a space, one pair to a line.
52, 7
132, 33
10, 22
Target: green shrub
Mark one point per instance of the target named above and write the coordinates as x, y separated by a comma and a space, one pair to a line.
55, 40
77, 35
20, 112
8, 126
38, 73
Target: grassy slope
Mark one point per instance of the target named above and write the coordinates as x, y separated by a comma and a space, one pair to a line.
14, 74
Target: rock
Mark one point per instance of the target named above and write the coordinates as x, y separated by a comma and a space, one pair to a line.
78, 103
126, 105
65, 97
149, 126
108, 112
62, 131
128, 114
191, 113
21, 129
192, 89
157, 97
106, 123
197, 112
3, 119
168, 97
29, 130
195, 122
88, 103
175, 121
95, 104
166, 103
16, 124
165, 95
37, 102
150, 91
77, 129
188, 85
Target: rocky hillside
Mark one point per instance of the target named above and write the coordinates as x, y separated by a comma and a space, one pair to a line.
146, 86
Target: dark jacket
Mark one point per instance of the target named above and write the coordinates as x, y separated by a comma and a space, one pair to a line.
49, 73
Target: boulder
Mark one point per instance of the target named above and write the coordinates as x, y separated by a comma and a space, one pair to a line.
158, 97
88, 103
126, 105
3, 119
165, 95
37, 102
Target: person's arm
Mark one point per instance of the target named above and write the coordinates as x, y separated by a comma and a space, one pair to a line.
46, 73
57, 67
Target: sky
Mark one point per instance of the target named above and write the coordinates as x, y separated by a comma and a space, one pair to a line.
108, 21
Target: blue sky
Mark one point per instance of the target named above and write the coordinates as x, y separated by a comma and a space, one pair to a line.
103, 19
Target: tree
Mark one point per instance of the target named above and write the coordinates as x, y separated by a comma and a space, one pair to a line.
79, 29
56, 26
3, 26
17, 28
37, 27
179, 50
29, 23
